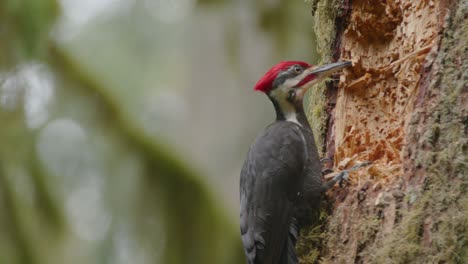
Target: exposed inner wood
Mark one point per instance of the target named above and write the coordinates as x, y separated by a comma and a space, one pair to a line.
400, 107
389, 43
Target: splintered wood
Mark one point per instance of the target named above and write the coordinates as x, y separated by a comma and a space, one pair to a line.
388, 42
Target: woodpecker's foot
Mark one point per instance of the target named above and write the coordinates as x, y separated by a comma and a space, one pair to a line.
326, 171
325, 160
343, 175
360, 165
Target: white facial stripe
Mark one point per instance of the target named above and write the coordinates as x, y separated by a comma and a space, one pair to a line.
281, 95
294, 81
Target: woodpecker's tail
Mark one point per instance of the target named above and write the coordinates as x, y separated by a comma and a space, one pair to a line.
289, 251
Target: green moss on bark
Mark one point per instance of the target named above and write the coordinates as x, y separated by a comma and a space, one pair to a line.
309, 244
324, 12
431, 225
434, 229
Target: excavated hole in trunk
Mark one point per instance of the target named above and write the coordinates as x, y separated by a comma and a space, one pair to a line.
391, 43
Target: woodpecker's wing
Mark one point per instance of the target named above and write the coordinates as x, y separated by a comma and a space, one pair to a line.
271, 180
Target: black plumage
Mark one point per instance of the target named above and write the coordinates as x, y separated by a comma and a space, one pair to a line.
280, 182
281, 185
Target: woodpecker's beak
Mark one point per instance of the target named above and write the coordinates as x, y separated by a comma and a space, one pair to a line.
317, 73
327, 70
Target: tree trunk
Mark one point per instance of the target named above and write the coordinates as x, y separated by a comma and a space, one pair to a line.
404, 107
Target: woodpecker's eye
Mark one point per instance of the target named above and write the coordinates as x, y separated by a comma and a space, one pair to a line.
297, 69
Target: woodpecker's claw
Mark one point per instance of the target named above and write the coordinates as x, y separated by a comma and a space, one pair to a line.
362, 164
325, 160
344, 175
326, 171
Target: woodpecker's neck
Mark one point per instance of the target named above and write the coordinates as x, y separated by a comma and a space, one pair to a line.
292, 112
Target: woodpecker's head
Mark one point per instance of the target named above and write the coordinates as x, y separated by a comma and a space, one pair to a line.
286, 83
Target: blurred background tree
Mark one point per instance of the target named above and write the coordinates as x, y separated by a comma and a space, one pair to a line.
124, 124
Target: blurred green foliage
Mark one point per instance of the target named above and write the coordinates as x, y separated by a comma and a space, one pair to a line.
170, 214
25, 25
82, 178
196, 230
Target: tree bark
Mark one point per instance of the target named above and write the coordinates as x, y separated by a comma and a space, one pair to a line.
404, 107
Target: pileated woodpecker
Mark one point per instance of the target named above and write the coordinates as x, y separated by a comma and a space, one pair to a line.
281, 178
